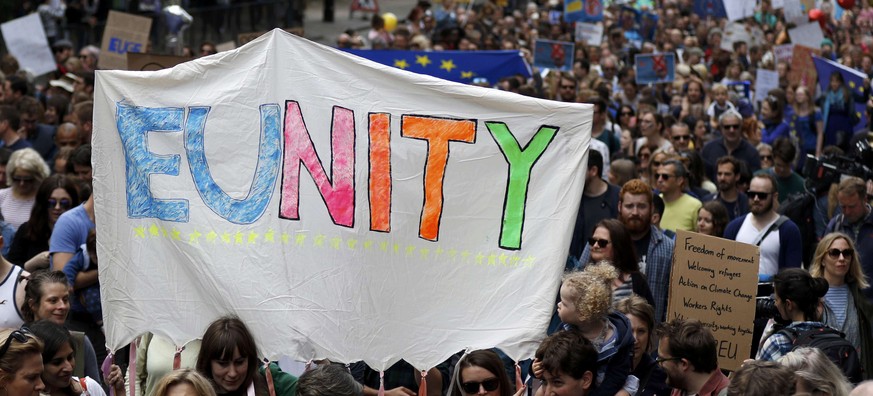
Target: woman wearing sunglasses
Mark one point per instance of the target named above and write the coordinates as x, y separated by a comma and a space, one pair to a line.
55, 195
20, 363
59, 361
481, 373
845, 308
612, 243
24, 173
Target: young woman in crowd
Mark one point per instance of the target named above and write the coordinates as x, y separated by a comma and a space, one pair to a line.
55, 195
845, 308
24, 173
712, 218
47, 297
772, 111
642, 319
20, 363
815, 373
59, 360
229, 358
806, 124
765, 152
797, 296
611, 243
186, 382
481, 372
838, 112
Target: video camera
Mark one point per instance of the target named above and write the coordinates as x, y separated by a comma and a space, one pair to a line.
823, 171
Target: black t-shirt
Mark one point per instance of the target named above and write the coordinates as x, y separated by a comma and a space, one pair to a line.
642, 246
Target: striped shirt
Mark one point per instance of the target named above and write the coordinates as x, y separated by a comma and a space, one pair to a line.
15, 211
837, 299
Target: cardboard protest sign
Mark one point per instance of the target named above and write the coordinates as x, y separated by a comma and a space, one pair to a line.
809, 35
26, 41
654, 69
590, 33
802, 68
124, 33
556, 55
714, 280
341, 216
152, 62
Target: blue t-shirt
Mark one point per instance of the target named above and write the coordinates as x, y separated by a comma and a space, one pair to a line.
71, 231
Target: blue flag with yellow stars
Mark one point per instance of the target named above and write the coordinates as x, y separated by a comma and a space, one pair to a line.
459, 66
853, 79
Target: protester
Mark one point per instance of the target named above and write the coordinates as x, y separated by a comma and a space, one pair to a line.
760, 378
642, 318
845, 308
605, 245
229, 358
30, 248
712, 218
815, 372
797, 296
687, 352
569, 364
480, 372
187, 382
25, 172
20, 363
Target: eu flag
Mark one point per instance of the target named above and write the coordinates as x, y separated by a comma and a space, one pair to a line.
854, 81
710, 9
458, 66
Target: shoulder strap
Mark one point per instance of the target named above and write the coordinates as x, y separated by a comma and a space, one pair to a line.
781, 220
79, 339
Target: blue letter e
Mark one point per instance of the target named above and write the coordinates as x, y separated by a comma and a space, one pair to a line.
134, 124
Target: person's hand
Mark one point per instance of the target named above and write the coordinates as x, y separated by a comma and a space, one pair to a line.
520, 391
115, 379
537, 368
399, 391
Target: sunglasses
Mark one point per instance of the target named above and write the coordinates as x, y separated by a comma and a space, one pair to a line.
626, 113
681, 137
490, 385
665, 176
656, 163
757, 195
731, 126
18, 179
20, 335
65, 203
601, 243
847, 253
766, 158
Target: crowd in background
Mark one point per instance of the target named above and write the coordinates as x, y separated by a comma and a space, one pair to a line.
695, 154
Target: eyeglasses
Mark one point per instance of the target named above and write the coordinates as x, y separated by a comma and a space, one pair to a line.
757, 195
847, 253
19, 179
65, 203
730, 126
665, 176
681, 137
659, 361
626, 114
601, 243
20, 335
766, 158
490, 385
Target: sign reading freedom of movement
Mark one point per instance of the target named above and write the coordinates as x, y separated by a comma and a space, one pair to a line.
343, 209
715, 281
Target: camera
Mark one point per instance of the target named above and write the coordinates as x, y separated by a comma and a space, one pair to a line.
823, 171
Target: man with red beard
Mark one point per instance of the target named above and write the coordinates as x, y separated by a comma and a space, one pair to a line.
653, 248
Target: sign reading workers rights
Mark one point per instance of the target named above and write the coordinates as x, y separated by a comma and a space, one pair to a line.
715, 281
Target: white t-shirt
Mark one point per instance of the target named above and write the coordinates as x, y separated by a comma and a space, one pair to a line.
92, 388
769, 261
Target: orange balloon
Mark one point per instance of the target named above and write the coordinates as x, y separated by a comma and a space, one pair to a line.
815, 15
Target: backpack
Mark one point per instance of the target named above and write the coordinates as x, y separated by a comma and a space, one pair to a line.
834, 345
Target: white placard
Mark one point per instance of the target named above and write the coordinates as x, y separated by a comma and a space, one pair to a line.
793, 11
25, 39
739, 9
394, 222
592, 33
765, 80
809, 35
734, 32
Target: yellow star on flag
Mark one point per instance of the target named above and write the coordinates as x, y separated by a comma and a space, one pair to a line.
448, 65
154, 230
140, 231
194, 237
851, 84
401, 64
176, 234
466, 74
422, 60
210, 237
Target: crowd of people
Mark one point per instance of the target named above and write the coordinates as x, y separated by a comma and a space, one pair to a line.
696, 154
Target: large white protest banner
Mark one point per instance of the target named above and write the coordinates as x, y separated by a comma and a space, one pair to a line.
26, 41
342, 208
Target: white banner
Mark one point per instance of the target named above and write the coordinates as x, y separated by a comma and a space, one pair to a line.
26, 41
343, 209
591, 33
